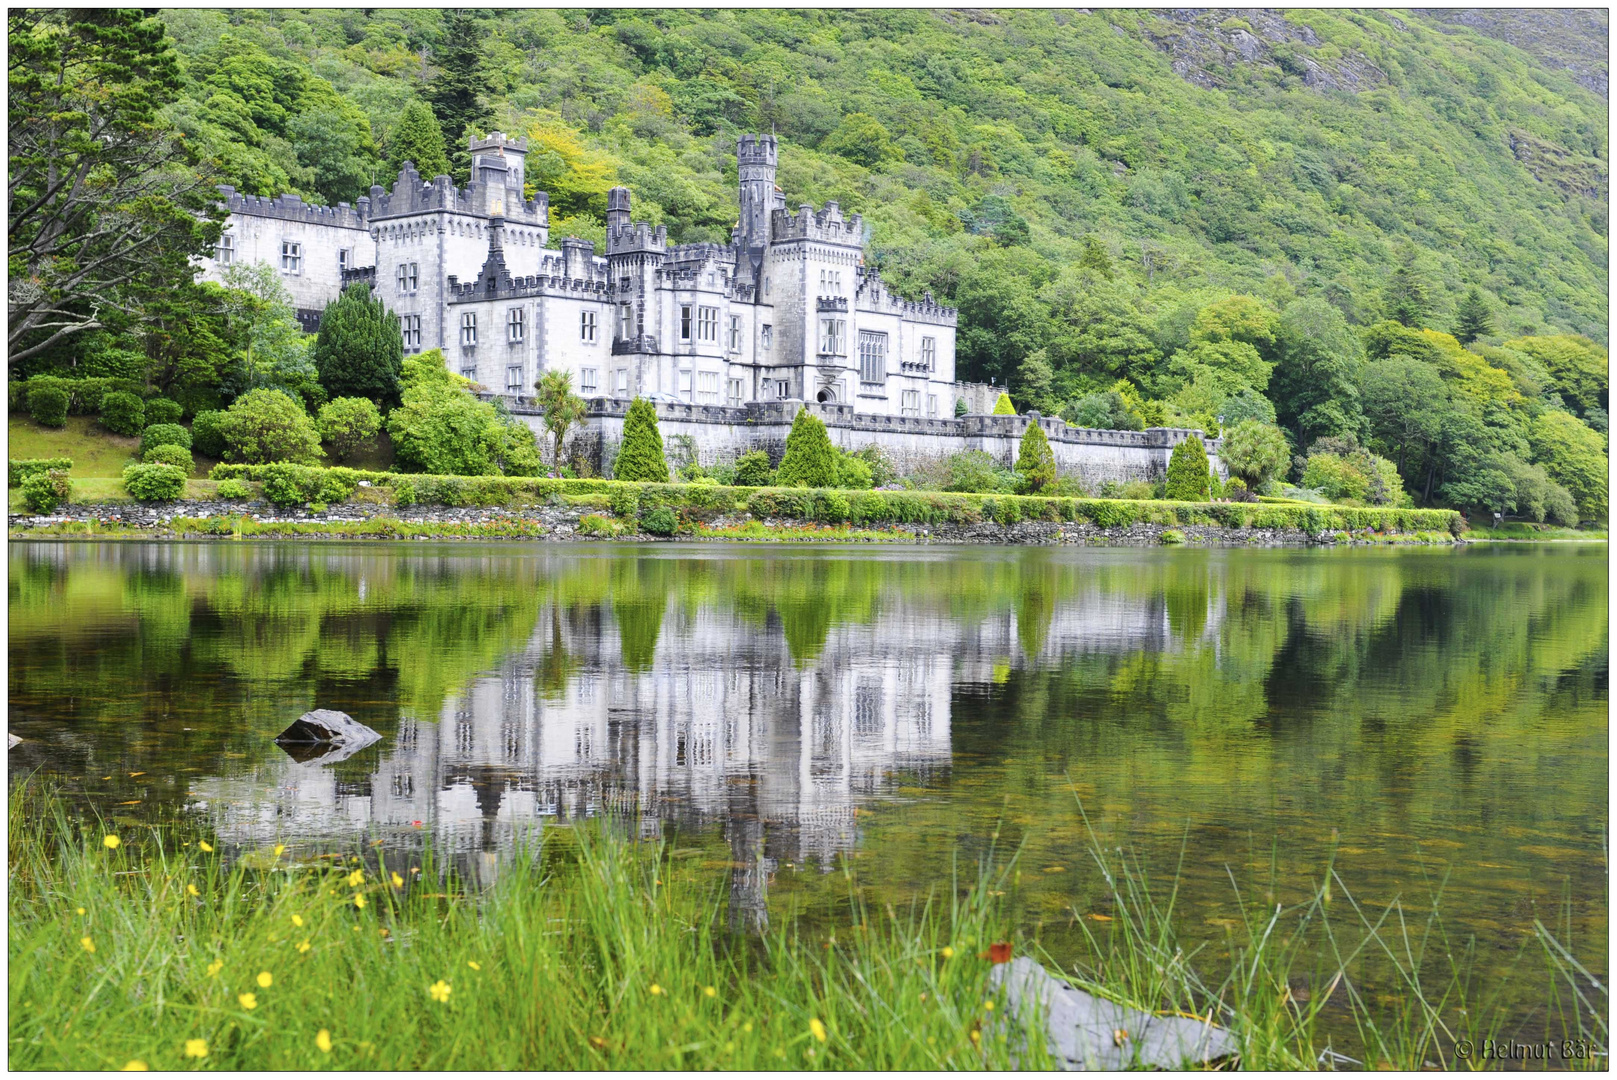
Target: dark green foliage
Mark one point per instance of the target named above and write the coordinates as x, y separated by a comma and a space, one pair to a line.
1104, 410
44, 491
123, 414
640, 457
20, 470
457, 93
348, 425
84, 396
752, 470
163, 411
358, 351
960, 407
1255, 452
207, 433
1315, 382
47, 405
1188, 476
287, 484
169, 454
660, 522
164, 435
266, 425
1036, 462
810, 459
154, 483
1472, 319
418, 139
1407, 297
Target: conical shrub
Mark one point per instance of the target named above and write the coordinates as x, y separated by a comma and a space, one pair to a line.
1036, 463
1188, 476
811, 460
641, 455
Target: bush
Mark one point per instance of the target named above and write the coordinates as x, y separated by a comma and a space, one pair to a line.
1235, 490
596, 525
625, 502
163, 411
810, 459
234, 489
265, 426
20, 470
1036, 464
974, 470
752, 470
335, 487
404, 493
1255, 451
960, 407
164, 435
47, 405
289, 484
123, 413
640, 457
1003, 406
170, 454
882, 472
43, 492
348, 424
207, 433
852, 472
660, 522
154, 483
1188, 477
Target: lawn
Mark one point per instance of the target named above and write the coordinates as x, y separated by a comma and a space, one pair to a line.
95, 450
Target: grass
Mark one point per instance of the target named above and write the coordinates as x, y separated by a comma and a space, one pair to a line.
1524, 530
757, 530
95, 450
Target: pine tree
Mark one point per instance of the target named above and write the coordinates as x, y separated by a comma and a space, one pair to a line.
358, 351
1188, 476
641, 455
1036, 464
1472, 319
458, 91
1406, 295
1095, 257
810, 460
1003, 406
419, 140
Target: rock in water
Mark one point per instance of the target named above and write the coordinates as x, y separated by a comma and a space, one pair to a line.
13, 740
324, 736
1087, 1032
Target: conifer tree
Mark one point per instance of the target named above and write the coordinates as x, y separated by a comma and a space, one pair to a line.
358, 351
458, 92
1036, 464
810, 460
1003, 406
1188, 475
419, 140
1472, 319
641, 455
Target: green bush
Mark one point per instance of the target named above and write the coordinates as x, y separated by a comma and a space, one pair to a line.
640, 457
596, 525
853, 472
208, 434
164, 435
348, 424
47, 405
625, 502
123, 413
1036, 463
234, 489
752, 470
960, 407
1003, 406
832, 506
810, 459
660, 522
154, 483
43, 492
170, 454
264, 426
289, 484
163, 411
84, 396
1188, 477
20, 470
404, 493
335, 487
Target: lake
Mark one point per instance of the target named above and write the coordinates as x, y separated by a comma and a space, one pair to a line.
1436, 717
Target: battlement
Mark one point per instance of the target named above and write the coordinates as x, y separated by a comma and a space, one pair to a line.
498, 142
872, 294
826, 224
638, 238
412, 194
757, 150
293, 208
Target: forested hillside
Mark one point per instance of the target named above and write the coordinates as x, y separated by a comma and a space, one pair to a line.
1245, 214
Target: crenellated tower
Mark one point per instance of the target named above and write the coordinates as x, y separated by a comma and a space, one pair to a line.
756, 158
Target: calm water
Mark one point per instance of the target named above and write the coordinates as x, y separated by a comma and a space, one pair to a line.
780, 712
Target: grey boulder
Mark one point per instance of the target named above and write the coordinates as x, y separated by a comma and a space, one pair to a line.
324, 736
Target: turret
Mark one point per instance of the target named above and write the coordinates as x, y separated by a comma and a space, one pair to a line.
617, 210
756, 158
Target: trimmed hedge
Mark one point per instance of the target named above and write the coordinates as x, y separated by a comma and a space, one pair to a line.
154, 483
163, 411
83, 395
123, 413
164, 435
43, 492
47, 405
18, 470
170, 454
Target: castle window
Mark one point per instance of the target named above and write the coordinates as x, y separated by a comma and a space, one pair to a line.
225, 253
468, 328
872, 357
766, 285
588, 380
513, 326
586, 326
833, 340
929, 353
625, 321
622, 377
291, 257
735, 333
707, 324
469, 373
783, 388
513, 379
909, 403
345, 258
707, 387
768, 337
932, 406
733, 392
824, 281
684, 378
409, 277
410, 330
685, 311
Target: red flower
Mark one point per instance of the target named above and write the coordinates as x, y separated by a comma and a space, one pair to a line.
999, 952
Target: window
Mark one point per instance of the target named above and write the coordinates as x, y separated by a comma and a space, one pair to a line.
707, 387
783, 388
588, 379
766, 285
735, 333
513, 379
586, 326
909, 403
873, 358
225, 253
469, 373
929, 353
831, 281
410, 330
622, 377
685, 385
625, 321
932, 406
732, 388
832, 341
707, 324
513, 326
685, 311
768, 337
291, 257
345, 258
407, 277
823, 276
468, 328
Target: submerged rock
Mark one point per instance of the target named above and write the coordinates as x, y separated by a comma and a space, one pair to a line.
1086, 1032
13, 740
324, 736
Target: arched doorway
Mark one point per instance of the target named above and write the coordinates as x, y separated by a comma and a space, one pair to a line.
826, 395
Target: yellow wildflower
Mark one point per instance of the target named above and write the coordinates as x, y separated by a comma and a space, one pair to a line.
265, 979
817, 1028
133, 1066
747, 1027
278, 849
711, 991
359, 902
439, 991
213, 968
398, 882
191, 888
975, 1036
205, 846
474, 965
248, 1001
355, 878
655, 989
89, 946
111, 840
197, 1048
948, 951
323, 1041
81, 911
989, 1005
303, 946
297, 920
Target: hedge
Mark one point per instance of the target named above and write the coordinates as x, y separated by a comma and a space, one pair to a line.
18, 470
154, 483
83, 395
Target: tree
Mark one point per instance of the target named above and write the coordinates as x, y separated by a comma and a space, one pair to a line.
1578, 366
1033, 383
1103, 409
1405, 403
1406, 297
1095, 257
862, 139
640, 457
810, 459
1188, 476
104, 207
1472, 319
359, 351
418, 139
562, 407
1003, 406
458, 92
1036, 462
274, 350
1315, 381
1574, 457
1255, 452
269, 425
348, 424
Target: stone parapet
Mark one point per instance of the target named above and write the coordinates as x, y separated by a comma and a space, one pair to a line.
293, 208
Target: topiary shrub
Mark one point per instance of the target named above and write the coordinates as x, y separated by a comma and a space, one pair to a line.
1188, 476
660, 522
234, 489
164, 435
207, 433
287, 484
640, 457
123, 413
154, 483
47, 405
169, 454
163, 411
810, 459
625, 502
832, 506
1036, 463
752, 470
43, 492
960, 407
348, 425
20, 470
1003, 406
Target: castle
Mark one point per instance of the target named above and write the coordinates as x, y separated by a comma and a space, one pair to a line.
787, 311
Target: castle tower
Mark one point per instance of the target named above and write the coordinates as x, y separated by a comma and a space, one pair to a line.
617, 211
756, 159
497, 169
